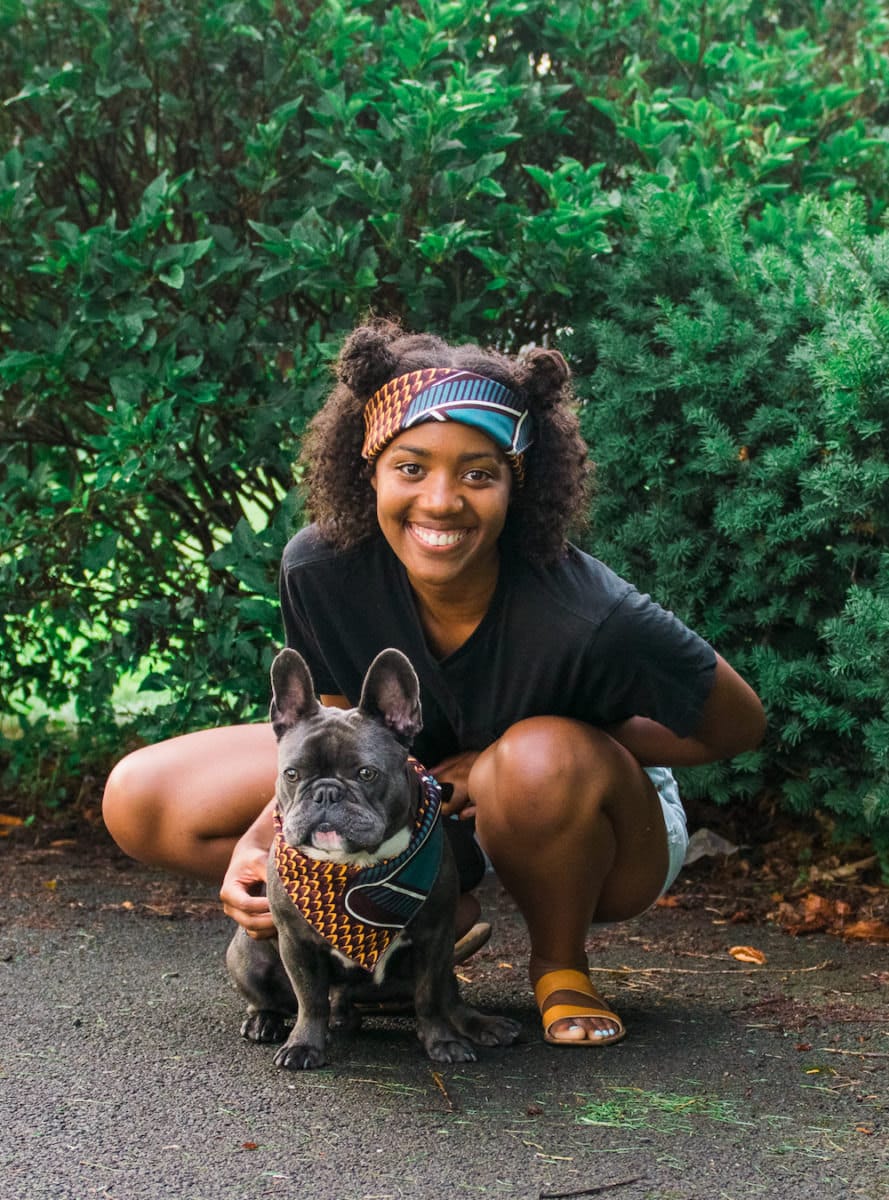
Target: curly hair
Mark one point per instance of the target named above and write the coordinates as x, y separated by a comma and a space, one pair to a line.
555, 494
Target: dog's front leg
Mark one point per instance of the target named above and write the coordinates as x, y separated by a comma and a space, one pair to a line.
436, 996
308, 966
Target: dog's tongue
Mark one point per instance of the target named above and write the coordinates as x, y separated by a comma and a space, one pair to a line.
327, 839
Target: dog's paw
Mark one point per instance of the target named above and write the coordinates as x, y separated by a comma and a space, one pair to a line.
443, 1043
299, 1056
265, 1026
451, 1049
343, 1015
485, 1030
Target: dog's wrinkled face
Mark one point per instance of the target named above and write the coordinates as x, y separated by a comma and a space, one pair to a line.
343, 787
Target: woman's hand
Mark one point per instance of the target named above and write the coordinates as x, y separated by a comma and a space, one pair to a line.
454, 771
243, 888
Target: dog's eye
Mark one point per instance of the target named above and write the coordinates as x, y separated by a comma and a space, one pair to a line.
291, 773
366, 774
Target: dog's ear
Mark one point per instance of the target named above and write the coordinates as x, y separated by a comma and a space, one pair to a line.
391, 692
293, 693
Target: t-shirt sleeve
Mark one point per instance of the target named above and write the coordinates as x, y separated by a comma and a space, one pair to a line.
650, 664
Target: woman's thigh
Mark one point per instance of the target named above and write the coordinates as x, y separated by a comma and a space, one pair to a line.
167, 802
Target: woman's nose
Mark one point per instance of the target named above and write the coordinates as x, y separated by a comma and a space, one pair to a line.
442, 494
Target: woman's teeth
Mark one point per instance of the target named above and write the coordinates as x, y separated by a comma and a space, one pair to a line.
439, 537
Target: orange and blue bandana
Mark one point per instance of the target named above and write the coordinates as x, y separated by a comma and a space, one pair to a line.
447, 394
361, 910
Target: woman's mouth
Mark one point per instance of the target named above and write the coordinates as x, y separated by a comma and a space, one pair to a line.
437, 537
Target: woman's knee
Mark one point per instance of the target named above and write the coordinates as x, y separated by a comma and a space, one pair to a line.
132, 803
538, 770
545, 752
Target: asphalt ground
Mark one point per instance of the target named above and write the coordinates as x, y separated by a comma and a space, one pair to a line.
122, 1073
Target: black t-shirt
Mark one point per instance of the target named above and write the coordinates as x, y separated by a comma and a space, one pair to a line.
572, 639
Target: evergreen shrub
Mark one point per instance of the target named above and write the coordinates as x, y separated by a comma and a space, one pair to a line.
738, 410
197, 201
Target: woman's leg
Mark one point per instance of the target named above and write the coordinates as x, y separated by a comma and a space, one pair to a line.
183, 803
574, 828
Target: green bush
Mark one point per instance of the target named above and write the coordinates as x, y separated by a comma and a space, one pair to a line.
197, 201
739, 417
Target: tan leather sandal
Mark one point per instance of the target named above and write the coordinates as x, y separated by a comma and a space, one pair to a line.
567, 993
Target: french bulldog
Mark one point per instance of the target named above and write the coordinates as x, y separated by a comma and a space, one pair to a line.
352, 805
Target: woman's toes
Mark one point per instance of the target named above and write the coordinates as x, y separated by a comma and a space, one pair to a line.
580, 1030
569, 1031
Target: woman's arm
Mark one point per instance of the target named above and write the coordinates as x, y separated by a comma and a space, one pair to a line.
732, 721
243, 888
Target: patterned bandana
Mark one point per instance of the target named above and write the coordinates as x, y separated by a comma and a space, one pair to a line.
361, 910
445, 394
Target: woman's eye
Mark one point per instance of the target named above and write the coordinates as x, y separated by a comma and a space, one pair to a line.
477, 475
410, 469
291, 773
366, 774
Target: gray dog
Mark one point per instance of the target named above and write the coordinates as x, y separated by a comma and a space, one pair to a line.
361, 880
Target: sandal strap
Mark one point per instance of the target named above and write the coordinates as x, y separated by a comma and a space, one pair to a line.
563, 981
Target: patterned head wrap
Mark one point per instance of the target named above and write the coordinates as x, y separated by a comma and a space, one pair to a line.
447, 394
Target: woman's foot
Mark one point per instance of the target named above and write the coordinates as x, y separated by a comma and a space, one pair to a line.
471, 933
468, 912
572, 1011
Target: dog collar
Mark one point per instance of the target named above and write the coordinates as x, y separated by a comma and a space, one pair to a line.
361, 910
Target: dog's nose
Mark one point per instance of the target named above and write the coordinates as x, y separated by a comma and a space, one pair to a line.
326, 794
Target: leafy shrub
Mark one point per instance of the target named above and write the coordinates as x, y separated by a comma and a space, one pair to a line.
197, 201
739, 417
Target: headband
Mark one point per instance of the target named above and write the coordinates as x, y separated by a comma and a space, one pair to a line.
447, 394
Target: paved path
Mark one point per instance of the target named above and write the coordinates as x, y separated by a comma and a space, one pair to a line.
122, 1074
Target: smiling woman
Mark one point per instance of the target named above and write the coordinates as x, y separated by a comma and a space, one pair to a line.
442, 482
442, 498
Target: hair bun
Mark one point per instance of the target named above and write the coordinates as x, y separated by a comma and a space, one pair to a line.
366, 360
544, 375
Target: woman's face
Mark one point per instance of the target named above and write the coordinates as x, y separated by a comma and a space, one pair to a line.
442, 495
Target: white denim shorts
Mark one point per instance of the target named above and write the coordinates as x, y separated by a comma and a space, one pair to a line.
674, 819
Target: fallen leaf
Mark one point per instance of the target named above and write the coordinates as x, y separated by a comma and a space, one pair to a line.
742, 917
505, 966
748, 954
871, 931
846, 871
50, 884
249, 1145
667, 902
7, 819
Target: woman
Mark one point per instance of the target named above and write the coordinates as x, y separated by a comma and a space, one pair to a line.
442, 481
